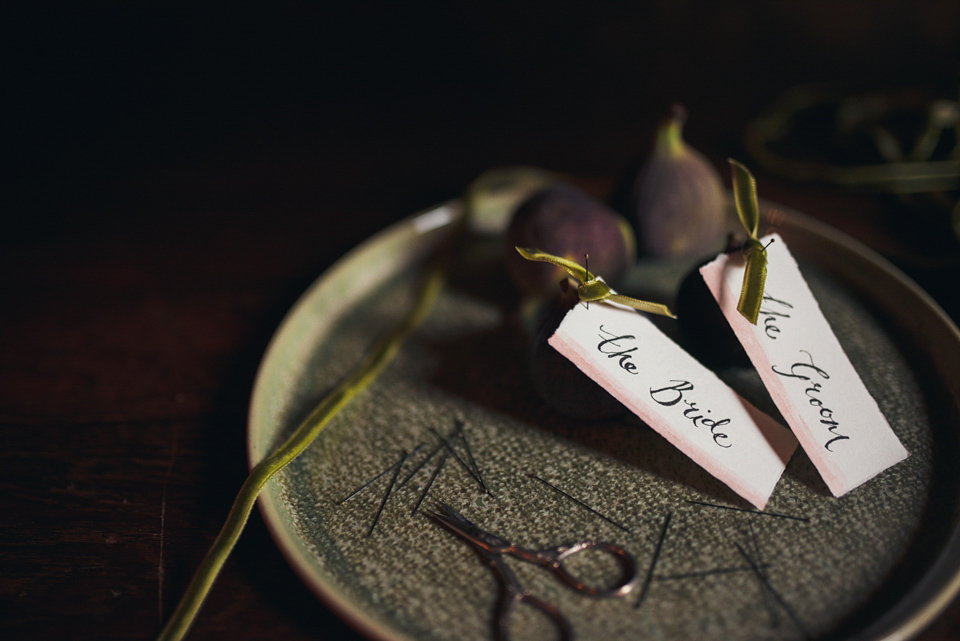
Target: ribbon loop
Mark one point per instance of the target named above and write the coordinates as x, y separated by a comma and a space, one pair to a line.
591, 289
594, 290
755, 275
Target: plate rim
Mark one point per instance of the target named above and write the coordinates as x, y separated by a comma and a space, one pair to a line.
430, 220
891, 626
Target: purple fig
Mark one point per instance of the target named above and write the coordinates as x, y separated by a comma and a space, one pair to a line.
563, 221
677, 202
559, 383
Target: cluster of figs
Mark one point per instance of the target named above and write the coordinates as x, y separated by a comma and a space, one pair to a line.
673, 205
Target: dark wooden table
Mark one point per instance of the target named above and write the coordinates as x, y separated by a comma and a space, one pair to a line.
175, 177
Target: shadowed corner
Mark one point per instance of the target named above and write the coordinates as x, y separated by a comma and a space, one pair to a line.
498, 379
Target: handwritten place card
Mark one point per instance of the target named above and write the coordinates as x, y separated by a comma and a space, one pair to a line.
677, 396
806, 371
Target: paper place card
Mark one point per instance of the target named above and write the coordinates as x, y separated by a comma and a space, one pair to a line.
677, 396
806, 371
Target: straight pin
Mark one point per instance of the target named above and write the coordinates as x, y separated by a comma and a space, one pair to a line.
703, 573
776, 595
386, 495
578, 502
453, 433
371, 481
757, 512
376, 478
419, 466
433, 477
653, 562
775, 619
450, 449
473, 462
367, 484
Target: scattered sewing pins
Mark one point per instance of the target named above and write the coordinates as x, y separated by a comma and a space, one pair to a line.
376, 478
656, 555
447, 443
458, 426
772, 598
757, 567
456, 439
475, 474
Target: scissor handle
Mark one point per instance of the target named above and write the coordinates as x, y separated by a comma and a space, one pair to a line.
553, 559
513, 595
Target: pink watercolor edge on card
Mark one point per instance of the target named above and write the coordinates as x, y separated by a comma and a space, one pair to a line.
713, 275
572, 351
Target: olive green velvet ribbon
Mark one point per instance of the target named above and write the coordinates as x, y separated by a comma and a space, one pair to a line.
591, 288
358, 379
755, 275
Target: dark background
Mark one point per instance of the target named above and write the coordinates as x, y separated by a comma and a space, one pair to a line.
173, 177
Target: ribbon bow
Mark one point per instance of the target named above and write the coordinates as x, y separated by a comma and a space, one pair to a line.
755, 275
591, 288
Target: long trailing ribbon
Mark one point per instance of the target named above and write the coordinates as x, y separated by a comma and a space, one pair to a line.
755, 276
373, 362
591, 288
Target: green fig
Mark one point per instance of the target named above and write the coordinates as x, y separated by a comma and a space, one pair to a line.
564, 221
677, 199
495, 194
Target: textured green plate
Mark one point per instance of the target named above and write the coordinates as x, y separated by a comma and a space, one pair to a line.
880, 562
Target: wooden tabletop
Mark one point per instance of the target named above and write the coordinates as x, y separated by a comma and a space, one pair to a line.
176, 176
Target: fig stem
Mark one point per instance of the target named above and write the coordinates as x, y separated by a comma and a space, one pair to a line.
670, 132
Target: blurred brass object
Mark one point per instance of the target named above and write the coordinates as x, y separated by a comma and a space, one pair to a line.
927, 167
904, 143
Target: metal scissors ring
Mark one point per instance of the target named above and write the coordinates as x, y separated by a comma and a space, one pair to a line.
492, 549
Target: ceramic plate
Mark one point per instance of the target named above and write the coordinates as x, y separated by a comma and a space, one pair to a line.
351, 513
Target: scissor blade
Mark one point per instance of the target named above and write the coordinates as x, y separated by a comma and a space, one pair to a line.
459, 525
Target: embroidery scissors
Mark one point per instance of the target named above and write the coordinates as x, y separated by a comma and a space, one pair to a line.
492, 550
